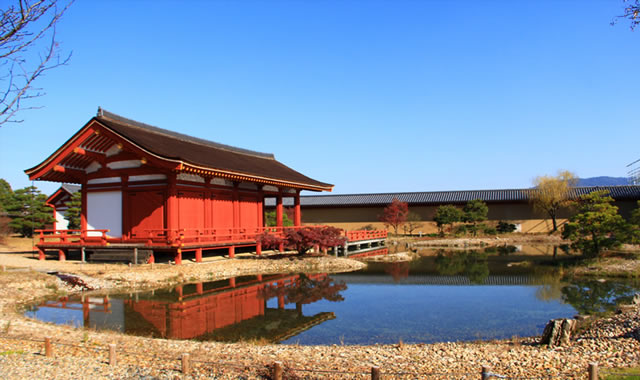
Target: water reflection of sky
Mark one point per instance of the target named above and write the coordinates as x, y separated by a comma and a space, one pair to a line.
57, 316
423, 314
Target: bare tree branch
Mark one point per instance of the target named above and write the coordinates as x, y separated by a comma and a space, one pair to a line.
631, 13
24, 28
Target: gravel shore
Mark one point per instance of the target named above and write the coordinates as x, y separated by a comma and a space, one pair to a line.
79, 354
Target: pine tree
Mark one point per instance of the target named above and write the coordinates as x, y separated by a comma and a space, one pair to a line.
597, 226
5, 194
28, 211
74, 210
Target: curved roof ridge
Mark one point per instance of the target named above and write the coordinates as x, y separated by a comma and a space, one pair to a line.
102, 113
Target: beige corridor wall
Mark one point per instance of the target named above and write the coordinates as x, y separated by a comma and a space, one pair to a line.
354, 218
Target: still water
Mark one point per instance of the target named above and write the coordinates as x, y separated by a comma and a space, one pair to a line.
446, 296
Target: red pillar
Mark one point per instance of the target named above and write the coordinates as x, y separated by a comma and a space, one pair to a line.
236, 207
199, 255
199, 288
281, 247
172, 206
179, 291
297, 215
152, 259
178, 256
258, 249
41, 255
232, 282
62, 255
261, 207
85, 311
280, 295
126, 229
55, 220
259, 277
83, 207
279, 209
232, 252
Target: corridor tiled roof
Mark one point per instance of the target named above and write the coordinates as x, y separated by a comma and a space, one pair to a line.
444, 197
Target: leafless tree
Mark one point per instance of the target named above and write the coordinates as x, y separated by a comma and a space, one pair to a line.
631, 13
28, 49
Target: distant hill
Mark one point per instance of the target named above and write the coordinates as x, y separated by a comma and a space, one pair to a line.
603, 181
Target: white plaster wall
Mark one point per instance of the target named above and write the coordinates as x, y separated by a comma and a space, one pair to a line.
104, 212
61, 222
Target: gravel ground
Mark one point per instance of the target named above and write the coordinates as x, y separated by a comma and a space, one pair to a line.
79, 354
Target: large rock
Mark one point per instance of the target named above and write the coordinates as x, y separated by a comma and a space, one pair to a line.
558, 332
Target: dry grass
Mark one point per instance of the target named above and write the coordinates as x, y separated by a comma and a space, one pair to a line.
16, 244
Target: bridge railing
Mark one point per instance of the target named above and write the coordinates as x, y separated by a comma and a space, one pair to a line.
359, 235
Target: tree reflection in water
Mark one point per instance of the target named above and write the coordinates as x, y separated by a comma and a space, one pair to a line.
306, 290
593, 296
472, 264
397, 270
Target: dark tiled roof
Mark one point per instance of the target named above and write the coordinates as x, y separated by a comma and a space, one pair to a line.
445, 197
203, 153
69, 188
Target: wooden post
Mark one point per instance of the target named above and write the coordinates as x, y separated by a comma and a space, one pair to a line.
199, 255
83, 254
185, 364
258, 249
135, 256
593, 371
297, 215
112, 354
232, 252
279, 210
277, 371
375, 373
485, 372
62, 255
48, 352
41, 255
178, 257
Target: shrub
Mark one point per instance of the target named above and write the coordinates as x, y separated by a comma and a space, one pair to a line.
460, 230
488, 230
305, 238
269, 241
505, 227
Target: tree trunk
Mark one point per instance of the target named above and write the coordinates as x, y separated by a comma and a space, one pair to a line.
558, 332
552, 215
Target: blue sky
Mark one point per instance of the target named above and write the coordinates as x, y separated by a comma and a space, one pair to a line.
372, 96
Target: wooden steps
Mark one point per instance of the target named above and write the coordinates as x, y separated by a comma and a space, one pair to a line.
119, 254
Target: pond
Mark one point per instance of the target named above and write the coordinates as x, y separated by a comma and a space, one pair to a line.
444, 296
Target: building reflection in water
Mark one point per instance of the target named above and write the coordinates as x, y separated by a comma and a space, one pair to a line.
229, 310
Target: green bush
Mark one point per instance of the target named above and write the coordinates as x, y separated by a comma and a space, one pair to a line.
505, 227
461, 229
488, 230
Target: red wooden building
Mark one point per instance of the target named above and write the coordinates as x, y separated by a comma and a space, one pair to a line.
146, 189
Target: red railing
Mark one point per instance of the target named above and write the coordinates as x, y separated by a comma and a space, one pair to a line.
181, 237
72, 237
366, 235
204, 236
